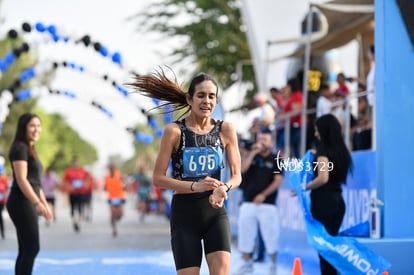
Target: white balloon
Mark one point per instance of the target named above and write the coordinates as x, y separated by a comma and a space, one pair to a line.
3, 105
3, 114
7, 96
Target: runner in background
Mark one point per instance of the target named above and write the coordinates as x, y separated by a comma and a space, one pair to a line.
115, 189
50, 182
87, 196
144, 191
76, 180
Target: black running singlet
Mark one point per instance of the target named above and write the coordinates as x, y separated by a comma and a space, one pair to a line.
198, 156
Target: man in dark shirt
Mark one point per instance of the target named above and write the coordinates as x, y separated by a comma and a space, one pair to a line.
261, 179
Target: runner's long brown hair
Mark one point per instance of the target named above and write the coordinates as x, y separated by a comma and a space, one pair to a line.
158, 86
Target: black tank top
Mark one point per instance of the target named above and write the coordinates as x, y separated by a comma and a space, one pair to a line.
198, 156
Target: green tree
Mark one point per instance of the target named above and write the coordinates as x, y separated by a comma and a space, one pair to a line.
213, 35
60, 143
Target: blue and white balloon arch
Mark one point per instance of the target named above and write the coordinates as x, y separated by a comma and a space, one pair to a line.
52, 32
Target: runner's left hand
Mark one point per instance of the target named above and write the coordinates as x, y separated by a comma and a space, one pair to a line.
217, 198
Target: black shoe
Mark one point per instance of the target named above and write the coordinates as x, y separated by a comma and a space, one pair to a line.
76, 227
259, 260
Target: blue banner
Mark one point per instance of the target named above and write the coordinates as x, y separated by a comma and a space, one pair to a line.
346, 254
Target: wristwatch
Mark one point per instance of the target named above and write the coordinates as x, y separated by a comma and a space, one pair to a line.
228, 187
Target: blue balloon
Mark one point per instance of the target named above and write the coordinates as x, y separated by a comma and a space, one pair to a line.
116, 57
103, 51
148, 139
139, 137
3, 66
122, 90
24, 94
69, 94
159, 132
153, 123
9, 59
55, 37
107, 112
40, 27
52, 29
168, 118
27, 75
23, 77
31, 72
155, 101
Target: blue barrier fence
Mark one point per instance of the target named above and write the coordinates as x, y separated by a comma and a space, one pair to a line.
358, 192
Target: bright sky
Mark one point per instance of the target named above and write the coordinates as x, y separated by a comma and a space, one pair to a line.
105, 22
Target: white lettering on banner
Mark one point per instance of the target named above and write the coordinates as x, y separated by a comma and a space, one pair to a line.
357, 206
349, 255
290, 212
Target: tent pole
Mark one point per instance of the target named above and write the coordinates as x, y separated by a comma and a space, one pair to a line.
266, 67
305, 91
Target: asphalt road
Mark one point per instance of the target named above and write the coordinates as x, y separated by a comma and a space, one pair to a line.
141, 247
96, 234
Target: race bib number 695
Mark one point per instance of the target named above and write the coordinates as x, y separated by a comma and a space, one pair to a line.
201, 161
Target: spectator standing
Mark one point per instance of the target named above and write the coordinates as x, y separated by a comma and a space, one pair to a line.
333, 162
266, 116
361, 132
277, 95
261, 180
342, 90
324, 101
27, 201
294, 107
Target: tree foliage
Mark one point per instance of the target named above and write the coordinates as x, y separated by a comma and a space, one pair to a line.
213, 35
